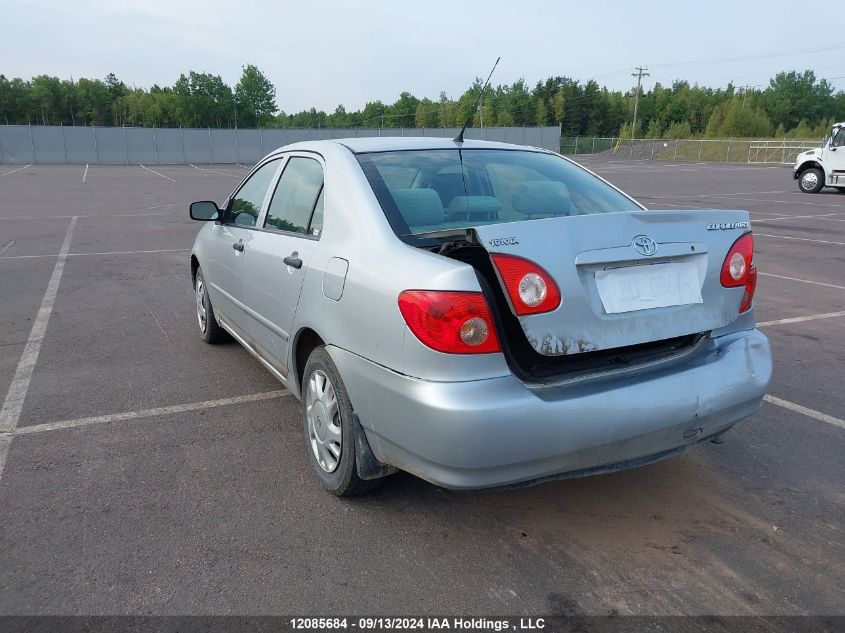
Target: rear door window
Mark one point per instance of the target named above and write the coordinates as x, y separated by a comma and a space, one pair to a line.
296, 197
316, 226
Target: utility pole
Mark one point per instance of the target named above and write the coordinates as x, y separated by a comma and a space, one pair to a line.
639, 75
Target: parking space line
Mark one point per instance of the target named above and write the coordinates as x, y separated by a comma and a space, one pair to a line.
157, 174
828, 219
9, 245
800, 239
148, 413
158, 323
5, 440
812, 317
758, 193
809, 204
818, 415
161, 250
676, 206
85, 173
14, 170
730, 196
214, 171
684, 205
99, 215
824, 216
806, 281
734, 193
13, 404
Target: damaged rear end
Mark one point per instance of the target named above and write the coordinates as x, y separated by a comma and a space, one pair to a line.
578, 277
586, 293
577, 333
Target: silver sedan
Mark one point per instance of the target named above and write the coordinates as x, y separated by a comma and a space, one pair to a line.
479, 314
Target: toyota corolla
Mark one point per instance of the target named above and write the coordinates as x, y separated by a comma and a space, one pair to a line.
480, 314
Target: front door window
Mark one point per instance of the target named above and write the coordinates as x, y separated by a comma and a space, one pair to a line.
245, 205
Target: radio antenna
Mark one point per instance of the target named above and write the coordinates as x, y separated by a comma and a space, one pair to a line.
460, 137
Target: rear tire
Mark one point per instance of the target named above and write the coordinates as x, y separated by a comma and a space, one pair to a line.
210, 330
328, 425
811, 180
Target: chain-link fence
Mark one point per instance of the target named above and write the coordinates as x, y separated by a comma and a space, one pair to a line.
31, 144
729, 150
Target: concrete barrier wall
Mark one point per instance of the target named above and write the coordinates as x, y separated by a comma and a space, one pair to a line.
58, 145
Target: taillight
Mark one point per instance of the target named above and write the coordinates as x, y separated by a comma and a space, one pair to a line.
451, 322
530, 288
738, 269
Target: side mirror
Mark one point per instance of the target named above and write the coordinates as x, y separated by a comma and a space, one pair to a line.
205, 211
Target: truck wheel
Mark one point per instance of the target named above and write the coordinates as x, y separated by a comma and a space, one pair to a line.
328, 420
811, 180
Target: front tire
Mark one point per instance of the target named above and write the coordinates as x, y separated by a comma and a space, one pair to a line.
328, 425
811, 180
210, 330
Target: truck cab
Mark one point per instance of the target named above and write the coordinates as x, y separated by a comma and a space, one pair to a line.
824, 166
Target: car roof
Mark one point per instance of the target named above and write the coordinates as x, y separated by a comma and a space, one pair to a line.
361, 145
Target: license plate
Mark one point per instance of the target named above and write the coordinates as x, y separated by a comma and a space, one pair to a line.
652, 286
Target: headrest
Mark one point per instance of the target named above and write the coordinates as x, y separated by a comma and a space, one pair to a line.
452, 169
541, 197
473, 208
419, 207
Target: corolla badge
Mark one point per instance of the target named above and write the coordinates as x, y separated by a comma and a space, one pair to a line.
727, 226
644, 245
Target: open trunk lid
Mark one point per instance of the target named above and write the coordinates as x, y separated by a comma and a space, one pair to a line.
625, 278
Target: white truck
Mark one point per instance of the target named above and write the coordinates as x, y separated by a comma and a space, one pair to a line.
823, 166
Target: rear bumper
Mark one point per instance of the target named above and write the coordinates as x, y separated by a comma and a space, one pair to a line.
497, 431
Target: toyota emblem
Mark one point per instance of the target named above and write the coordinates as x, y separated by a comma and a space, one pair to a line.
644, 245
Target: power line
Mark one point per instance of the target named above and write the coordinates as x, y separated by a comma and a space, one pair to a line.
740, 58
749, 57
612, 73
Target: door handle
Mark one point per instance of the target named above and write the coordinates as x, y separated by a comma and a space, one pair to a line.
238, 246
293, 261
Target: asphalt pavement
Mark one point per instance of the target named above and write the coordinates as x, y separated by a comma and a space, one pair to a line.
149, 473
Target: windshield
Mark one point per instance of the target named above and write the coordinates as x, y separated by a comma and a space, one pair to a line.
434, 190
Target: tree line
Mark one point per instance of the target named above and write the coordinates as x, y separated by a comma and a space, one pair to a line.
795, 104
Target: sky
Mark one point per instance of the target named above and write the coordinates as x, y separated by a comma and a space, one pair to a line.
322, 53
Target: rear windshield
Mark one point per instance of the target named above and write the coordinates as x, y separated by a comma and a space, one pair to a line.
434, 190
